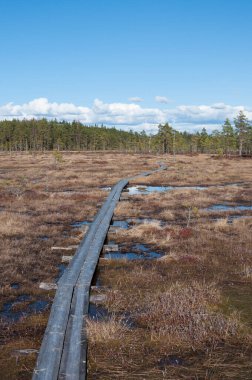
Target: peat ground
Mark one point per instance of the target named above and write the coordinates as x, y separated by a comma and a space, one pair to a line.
186, 314
42, 196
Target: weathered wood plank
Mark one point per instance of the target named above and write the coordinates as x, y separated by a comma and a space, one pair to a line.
110, 248
66, 259
69, 248
48, 362
64, 347
48, 286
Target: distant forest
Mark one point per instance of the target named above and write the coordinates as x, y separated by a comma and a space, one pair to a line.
44, 135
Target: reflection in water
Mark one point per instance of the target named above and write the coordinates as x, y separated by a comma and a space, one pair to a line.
9, 313
80, 224
136, 190
225, 207
138, 252
120, 224
97, 312
15, 285
142, 189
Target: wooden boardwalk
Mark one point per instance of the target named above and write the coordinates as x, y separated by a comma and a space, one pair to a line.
63, 353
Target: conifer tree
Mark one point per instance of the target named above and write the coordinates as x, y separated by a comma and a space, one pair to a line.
242, 126
229, 139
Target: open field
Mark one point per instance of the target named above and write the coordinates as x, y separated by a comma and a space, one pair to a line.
185, 315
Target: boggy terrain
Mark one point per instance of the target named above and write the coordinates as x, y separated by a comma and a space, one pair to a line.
42, 196
186, 313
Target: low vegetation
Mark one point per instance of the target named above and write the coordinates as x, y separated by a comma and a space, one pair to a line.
187, 314
41, 195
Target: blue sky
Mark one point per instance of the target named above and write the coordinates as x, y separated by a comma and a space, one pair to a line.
188, 61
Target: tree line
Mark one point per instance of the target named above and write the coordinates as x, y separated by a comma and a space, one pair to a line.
46, 135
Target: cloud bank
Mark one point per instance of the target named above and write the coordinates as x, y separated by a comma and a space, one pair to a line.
127, 116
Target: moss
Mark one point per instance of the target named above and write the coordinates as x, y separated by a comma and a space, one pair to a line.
238, 296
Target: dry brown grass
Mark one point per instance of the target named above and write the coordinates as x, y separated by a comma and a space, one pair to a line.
172, 302
106, 331
184, 316
201, 170
38, 202
195, 301
170, 319
151, 232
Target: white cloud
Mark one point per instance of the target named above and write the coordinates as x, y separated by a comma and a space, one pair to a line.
162, 99
136, 99
125, 115
42, 108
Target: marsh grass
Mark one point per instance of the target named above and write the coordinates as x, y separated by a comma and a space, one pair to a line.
38, 202
112, 329
184, 315
194, 303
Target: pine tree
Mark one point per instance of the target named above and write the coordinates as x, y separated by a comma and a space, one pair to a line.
242, 126
229, 139
165, 135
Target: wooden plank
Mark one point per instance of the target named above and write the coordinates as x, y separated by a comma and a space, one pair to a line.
49, 358
66, 259
64, 347
110, 248
113, 229
71, 365
48, 286
69, 248
125, 198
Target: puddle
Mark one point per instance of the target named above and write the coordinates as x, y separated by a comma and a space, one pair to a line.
120, 255
111, 242
120, 224
9, 314
97, 312
224, 207
38, 306
61, 268
142, 189
43, 237
138, 252
230, 218
80, 224
100, 313
134, 221
22, 298
15, 285
125, 224
136, 190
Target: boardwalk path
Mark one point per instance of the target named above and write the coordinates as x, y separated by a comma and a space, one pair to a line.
63, 351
